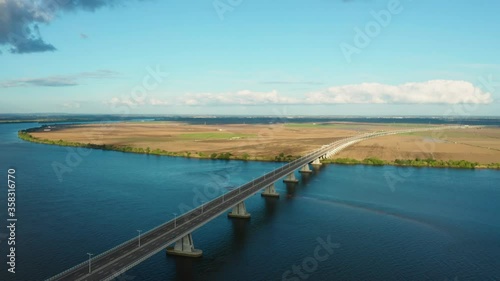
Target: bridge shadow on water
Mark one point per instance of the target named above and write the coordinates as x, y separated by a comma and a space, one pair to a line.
188, 269
184, 268
204, 268
291, 189
270, 206
240, 231
242, 227
304, 180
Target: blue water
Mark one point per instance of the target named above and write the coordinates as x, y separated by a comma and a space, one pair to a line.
430, 224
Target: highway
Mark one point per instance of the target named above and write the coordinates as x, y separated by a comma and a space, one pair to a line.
121, 258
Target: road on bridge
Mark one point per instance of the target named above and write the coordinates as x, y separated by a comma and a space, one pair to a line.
115, 261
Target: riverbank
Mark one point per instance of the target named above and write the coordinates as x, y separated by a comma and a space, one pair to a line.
432, 163
159, 152
373, 161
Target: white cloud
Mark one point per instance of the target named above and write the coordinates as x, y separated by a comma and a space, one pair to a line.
155, 101
123, 101
133, 102
71, 105
430, 92
244, 97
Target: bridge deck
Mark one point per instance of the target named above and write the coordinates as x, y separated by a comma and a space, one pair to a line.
115, 261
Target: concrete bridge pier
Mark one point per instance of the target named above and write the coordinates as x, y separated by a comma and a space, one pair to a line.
270, 191
305, 170
290, 179
316, 164
239, 211
185, 247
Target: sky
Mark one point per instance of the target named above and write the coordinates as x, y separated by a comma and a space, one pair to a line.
250, 57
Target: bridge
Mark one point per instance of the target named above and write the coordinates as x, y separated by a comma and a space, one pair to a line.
115, 261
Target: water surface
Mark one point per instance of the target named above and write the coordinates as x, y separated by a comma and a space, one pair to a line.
434, 224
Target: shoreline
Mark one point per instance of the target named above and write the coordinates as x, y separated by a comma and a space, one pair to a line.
24, 135
370, 161
416, 163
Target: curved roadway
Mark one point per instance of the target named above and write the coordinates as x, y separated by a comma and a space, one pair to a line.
119, 259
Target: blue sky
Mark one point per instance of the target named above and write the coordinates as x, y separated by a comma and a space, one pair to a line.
253, 57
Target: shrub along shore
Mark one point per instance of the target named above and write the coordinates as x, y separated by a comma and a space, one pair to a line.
462, 164
24, 135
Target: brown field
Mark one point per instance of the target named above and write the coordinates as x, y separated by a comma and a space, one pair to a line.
480, 145
266, 141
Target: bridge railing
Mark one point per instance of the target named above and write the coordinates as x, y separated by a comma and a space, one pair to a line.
178, 221
184, 218
229, 195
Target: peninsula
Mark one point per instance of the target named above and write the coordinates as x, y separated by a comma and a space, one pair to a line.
475, 147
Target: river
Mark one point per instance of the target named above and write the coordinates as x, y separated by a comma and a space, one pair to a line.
381, 223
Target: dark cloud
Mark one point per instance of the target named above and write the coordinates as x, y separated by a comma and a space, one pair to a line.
31, 45
59, 80
19, 20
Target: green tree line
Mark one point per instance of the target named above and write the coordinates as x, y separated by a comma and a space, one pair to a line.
417, 162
